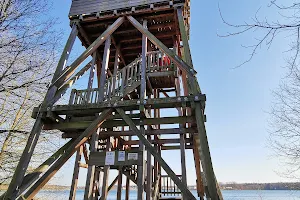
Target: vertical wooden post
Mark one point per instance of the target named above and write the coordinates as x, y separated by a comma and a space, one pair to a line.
66, 52
183, 165
106, 173
104, 68
96, 184
127, 179
75, 174
127, 189
116, 67
199, 182
149, 174
119, 190
141, 165
92, 72
91, 169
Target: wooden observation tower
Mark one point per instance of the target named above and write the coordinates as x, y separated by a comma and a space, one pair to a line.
145, 100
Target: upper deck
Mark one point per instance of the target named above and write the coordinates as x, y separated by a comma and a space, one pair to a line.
94, 16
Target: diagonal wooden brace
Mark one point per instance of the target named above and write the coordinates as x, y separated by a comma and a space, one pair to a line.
161, 161
62, 90
33, 176
68, 153
89, 51
176, 59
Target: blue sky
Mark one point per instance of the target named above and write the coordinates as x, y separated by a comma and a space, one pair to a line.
238, 100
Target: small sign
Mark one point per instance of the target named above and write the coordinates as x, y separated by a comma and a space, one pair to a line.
110, 158
121, 156
132, 156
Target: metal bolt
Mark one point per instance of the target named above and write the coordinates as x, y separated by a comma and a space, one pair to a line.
196, 98
179, 99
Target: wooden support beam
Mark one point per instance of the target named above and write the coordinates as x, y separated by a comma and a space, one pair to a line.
127, 188
67, 154
22, 166
104, 68
156, 132
88, 194
118, 49
92, 72
158, 141
33, 176
149, 174
106, 173
65, 126
91, 49
62, 90
119, 189
178, 61
91, 109
66, 52
183, 165
75, 174
203, 148
163, 164
141, 163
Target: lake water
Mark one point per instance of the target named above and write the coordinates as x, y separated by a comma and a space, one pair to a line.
227, 194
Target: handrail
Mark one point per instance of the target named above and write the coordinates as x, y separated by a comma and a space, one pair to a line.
120, 84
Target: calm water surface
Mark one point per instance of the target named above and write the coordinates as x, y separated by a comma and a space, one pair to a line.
228, 195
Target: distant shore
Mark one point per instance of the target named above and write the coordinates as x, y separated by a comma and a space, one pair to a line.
223, 186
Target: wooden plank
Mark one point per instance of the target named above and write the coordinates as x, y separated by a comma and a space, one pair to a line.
68, 153
163, 164
75, 174
91, 49
199, 182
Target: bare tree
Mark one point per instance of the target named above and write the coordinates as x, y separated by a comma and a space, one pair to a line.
285, 112
28, 40
267, 30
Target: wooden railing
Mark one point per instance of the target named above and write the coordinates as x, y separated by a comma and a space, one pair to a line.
125, 79
168, 187
158, 61
115, 86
